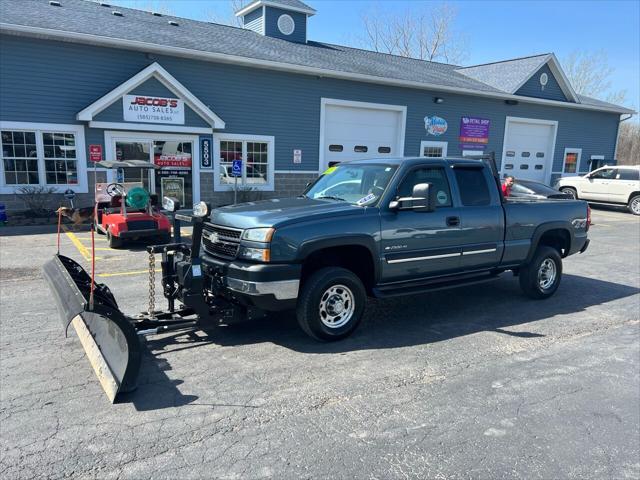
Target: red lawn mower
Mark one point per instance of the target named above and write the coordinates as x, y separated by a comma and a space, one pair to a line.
127, 211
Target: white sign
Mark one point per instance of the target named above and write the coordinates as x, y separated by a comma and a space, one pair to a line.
139, 108
297, 156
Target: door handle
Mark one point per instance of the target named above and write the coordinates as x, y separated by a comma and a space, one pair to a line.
453, 221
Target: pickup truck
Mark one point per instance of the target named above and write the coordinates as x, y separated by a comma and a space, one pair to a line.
372, 228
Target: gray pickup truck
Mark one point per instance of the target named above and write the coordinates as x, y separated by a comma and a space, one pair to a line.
373, 228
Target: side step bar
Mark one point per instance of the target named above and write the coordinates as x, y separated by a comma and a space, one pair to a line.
431, 285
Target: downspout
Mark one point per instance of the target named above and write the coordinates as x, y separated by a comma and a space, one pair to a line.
615, 151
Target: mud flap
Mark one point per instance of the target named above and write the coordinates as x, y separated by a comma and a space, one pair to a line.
107, 336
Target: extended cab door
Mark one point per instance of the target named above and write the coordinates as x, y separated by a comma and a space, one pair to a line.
416, 244
596, 185
481, 217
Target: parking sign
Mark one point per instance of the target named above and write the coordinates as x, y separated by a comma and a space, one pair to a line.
236, 169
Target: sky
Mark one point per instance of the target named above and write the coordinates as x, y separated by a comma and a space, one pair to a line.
494, 30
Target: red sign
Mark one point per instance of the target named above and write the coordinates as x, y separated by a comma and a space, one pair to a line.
178, 160
95, 153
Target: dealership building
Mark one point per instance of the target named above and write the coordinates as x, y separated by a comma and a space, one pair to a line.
83, 81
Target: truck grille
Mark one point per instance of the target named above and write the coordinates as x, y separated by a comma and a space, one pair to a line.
221, 241
141, 225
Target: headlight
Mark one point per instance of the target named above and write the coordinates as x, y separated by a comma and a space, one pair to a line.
200, 209
170, 204
256, 254
258, 234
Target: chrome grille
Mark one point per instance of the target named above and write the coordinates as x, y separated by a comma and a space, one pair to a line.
221, 241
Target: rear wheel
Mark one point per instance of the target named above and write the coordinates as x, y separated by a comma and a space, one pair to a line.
634, 205
541, 277
570, 191
114, 242
331, 304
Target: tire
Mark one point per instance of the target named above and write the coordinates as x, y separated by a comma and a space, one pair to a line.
634, 205
570, 191
532, 276
331, 304
114, 242
164, 239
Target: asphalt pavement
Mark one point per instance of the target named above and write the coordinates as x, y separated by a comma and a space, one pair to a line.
476, 382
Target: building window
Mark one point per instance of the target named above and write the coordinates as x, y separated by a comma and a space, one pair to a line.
571, 160
257, 155
360, 149
384, 149
335, 148
433, 149
42, 154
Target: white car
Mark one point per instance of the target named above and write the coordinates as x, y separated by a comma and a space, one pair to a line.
608, 185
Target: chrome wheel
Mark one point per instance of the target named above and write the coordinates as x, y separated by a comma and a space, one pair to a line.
336, 306
571, 192
635, 206
547, 274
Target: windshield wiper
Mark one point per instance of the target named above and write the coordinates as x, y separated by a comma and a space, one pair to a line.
330, 197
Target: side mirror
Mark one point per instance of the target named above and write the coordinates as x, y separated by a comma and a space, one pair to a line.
422, 199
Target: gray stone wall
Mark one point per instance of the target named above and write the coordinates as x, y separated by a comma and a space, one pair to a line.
287, 185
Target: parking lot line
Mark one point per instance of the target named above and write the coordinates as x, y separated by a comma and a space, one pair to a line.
84, 251
120, 274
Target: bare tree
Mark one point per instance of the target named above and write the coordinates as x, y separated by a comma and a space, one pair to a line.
426, 32
226, 17
590, 75
629, 144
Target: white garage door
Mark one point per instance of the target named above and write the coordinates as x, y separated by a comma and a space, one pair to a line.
528, 149
355, 132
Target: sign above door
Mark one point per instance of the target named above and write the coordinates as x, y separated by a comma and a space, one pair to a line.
149, 109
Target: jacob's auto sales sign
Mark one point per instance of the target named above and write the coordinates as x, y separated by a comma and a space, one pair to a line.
149, 109
176, 161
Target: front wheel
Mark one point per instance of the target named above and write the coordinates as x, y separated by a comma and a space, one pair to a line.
541, 277
570, 191
114, 242
634, 205
331, 304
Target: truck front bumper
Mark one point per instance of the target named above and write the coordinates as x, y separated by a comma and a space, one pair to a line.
270, 287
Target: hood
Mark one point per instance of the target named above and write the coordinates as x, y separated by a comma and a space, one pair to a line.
278, 212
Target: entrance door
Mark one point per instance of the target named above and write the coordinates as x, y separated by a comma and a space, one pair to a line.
175, 155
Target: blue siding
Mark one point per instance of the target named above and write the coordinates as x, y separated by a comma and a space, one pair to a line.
152, 87
551, 90
33, 88
253, 21
271, 25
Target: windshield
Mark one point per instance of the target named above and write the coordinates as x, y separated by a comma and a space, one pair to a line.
357, 184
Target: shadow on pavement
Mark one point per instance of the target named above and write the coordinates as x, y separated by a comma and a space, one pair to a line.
391, 323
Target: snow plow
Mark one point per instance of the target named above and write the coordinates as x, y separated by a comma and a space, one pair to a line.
112, 339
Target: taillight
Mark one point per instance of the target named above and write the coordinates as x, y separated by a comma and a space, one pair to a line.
588, 216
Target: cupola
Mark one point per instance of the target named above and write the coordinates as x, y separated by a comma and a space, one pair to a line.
284, 19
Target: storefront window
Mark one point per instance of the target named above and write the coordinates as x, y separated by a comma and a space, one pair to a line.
256, 154
39, 157
571, 160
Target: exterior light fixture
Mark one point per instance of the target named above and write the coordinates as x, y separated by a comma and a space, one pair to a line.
511, 102
438, 100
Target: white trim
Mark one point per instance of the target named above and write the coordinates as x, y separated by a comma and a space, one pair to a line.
264, 20
81, 154
433, 143
564, 156
536, 121
271, 159
528, 77
292, 21
374, 106
111, 135
266, 3
91, 39
470, 153
596, 157
169, 81
141, 127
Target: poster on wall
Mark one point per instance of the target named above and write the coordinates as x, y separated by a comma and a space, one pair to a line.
173, 187
435, 125
474, 133
138, 108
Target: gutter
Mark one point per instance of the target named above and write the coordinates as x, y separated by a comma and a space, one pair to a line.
615, 151
86, 38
